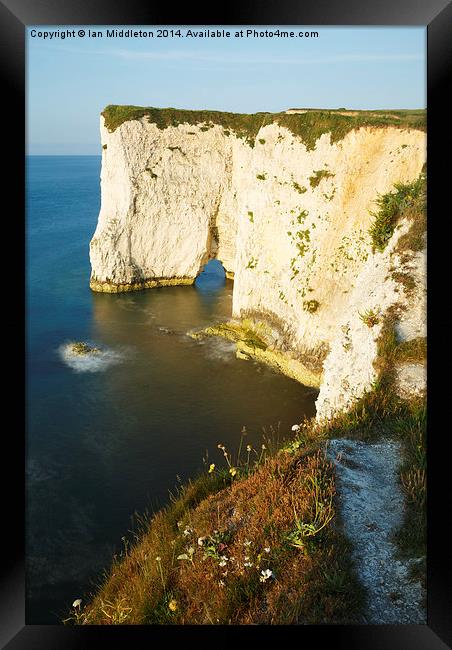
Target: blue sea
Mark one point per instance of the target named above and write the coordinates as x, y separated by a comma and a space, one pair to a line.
110, 436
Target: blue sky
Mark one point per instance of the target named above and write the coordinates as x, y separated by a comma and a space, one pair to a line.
70, 81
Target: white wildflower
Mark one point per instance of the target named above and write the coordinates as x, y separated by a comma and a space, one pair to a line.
266, 574
267, 549
77, 602
296, 427
201, 541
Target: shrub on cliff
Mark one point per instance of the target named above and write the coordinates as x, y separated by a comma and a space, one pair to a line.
408, 200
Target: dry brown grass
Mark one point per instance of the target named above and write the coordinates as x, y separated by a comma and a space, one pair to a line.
281, 518
414, 351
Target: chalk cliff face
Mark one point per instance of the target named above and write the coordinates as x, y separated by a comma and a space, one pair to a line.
289, 223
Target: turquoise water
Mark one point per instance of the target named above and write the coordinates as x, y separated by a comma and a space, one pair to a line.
110, 438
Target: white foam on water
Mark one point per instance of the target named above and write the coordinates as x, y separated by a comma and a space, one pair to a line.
97, 361
218, 348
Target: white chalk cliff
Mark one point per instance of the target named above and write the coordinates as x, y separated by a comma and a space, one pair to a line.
289, 223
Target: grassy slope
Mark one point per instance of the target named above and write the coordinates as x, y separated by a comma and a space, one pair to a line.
307, 126
274, 516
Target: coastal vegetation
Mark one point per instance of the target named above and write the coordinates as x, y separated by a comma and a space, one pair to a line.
255, 540
307, 126
370, 317
407, 200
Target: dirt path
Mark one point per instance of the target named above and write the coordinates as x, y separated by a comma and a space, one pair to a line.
371, 504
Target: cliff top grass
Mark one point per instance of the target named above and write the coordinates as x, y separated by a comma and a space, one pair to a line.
307, 126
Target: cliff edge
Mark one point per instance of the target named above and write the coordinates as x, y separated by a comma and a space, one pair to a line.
287, 203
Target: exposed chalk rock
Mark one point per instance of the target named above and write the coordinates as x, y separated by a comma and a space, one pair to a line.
411, 379
289, 223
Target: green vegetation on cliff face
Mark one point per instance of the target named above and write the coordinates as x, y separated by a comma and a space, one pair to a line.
307, 126
408, 200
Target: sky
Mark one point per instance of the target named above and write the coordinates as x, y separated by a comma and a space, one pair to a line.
71, 80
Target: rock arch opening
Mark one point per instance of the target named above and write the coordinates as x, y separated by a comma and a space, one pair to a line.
211, 276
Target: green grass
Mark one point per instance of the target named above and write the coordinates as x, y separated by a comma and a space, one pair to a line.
407, 200
370, 317
306, 126
412, 431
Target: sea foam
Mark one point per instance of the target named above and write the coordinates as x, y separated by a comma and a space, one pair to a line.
96, 361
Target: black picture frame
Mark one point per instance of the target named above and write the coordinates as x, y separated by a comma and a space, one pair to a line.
436, 15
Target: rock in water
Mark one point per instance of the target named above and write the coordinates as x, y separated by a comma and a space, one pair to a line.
80, 348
